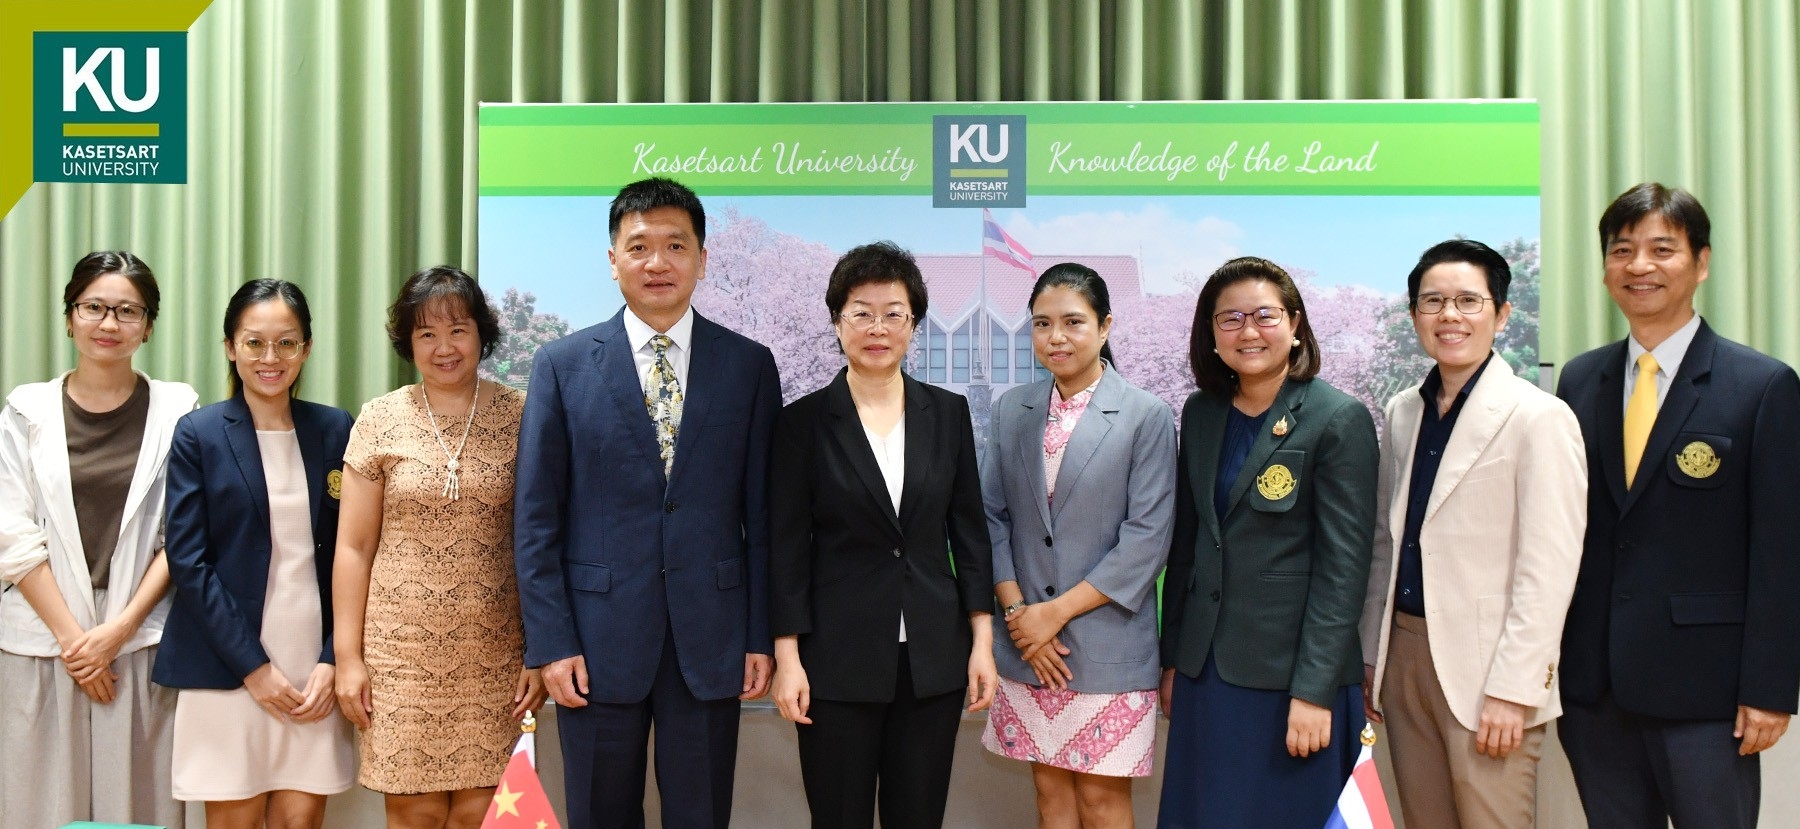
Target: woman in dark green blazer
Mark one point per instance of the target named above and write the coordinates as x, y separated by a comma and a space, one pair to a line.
1274, 526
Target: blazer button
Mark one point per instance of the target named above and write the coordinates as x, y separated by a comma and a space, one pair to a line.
1215, 595
1047, 541
1050, 588
669, 506
896, 552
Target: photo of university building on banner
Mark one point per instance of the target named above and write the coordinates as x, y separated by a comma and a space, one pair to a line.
1153, 197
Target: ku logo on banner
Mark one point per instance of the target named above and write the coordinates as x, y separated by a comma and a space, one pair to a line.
109, 107
978, 161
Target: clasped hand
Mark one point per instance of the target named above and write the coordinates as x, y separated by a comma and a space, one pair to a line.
89, 659
1035, 631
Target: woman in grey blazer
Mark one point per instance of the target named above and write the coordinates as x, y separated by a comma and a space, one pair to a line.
1079, 482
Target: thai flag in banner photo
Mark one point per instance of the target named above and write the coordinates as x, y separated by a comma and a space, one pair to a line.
996, 243
1363, 805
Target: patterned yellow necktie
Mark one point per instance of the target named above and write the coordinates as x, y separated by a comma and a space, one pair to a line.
662, 397
1640, 415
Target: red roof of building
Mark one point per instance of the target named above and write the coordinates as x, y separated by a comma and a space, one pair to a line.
954, 280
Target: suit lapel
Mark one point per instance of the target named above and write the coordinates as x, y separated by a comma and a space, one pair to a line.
1609, 421
706, 369
1683, 395
619, 372
312, 455
1286, 407
847, 429
1490, 403
240, 432
1090, 431
921, 436
1206, 434
1403, 436
1031, 445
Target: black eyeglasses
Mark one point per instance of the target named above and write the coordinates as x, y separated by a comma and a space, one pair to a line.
1467, 304
1266, 317
94, 311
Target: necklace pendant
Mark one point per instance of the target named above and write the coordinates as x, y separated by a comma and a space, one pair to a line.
453, 465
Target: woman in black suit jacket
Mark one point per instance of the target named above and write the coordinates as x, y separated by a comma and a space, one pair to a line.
1274, 530
250, 530
880, 635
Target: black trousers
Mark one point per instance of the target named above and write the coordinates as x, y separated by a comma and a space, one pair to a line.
1638, 772
856, 753
604, 747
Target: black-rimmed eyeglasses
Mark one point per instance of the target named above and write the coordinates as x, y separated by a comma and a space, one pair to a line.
94, 311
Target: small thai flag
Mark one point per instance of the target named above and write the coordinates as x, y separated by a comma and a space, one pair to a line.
1362, 805
995, 243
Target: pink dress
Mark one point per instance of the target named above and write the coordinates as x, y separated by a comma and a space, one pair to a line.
1112, 735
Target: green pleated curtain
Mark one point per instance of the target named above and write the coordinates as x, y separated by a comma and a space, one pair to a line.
333, 140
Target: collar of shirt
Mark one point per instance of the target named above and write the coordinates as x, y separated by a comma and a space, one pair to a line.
1434, 383
1669, 354
1078, 402
640, 332
643, 356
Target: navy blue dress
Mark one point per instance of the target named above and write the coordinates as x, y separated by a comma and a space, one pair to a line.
1227, 764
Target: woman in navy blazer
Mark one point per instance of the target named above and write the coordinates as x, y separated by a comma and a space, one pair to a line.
1274, 530
250, 531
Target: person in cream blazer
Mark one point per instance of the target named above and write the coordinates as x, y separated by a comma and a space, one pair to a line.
1482, 496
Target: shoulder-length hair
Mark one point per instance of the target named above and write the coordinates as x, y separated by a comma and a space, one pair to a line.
1210, 372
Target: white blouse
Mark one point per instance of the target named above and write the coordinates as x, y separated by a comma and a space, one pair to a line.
890, 455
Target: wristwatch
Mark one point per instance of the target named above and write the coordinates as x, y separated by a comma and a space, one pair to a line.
1011, 609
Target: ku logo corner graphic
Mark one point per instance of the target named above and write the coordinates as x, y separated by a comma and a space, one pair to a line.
109, 107
978, 161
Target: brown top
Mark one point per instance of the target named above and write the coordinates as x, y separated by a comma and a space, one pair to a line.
103, 455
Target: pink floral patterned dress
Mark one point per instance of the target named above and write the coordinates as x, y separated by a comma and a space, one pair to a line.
1112, 735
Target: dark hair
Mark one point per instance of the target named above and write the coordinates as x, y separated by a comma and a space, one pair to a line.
1082, 280
1677, 207
872, 263
1495, 266
258, 291
1210, 372
448, 284
103, 262
651, 193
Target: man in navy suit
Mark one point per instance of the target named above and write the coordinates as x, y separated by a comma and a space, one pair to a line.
641, 528
1680, 657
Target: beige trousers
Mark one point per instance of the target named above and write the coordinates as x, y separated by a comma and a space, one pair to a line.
1442, 779
65, 758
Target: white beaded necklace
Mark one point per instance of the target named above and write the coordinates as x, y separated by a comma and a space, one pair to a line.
451, 488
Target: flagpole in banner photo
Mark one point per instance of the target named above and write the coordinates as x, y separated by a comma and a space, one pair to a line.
520, 802
1363, 805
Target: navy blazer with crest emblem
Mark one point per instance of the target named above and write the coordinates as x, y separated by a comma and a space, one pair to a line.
1274, 592
1684, 608
217, 538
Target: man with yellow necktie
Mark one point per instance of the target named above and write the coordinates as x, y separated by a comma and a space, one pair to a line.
1681, 654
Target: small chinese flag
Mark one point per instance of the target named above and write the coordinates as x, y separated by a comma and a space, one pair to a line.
520, 802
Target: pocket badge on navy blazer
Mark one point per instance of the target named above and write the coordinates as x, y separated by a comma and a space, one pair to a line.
334, 484
1278, 483
1698, 459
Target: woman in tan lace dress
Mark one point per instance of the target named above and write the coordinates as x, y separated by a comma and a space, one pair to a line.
429, 643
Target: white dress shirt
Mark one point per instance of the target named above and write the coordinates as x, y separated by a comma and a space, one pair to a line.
1669, 354
644, 356
890, 455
